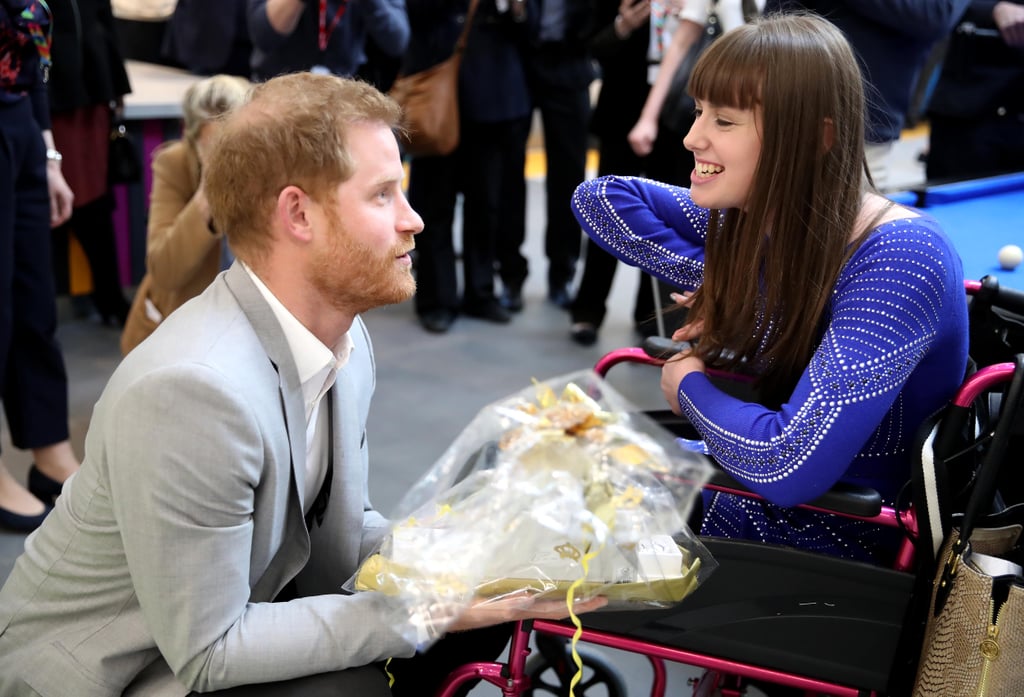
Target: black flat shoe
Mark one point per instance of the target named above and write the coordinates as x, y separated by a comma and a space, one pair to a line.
22, 523
42, 487
559, 296
437, 321
490, 310
512, 298
583, 333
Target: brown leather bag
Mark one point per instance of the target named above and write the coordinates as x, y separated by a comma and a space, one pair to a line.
430, 100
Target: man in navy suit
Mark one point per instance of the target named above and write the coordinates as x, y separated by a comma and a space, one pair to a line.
892, 39
559, 72
209, 37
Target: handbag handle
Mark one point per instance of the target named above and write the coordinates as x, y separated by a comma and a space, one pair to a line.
985, 482
460, 45
988, 473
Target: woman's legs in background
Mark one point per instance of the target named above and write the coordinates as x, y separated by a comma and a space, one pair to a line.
83, 136
93, 226
33, 382
590, 305
433, 192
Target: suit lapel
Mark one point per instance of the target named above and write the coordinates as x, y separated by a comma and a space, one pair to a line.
294, 551
269, 331
335, 545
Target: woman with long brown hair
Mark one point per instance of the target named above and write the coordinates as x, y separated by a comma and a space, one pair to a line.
848, 310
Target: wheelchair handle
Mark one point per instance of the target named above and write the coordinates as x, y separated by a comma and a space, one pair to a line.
663, 347
989, 291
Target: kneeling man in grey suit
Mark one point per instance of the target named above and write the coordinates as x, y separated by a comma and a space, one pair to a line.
222, 501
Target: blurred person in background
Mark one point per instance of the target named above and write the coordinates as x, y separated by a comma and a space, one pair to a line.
184, 250
328, 36
892, 40
86, 88
209, 38
141, 27
976, 112
621, 37
559, 73
33, 198
487, 167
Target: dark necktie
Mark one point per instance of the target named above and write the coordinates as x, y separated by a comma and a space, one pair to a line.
319, 507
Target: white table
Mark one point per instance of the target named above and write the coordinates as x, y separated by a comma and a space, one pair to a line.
157, 91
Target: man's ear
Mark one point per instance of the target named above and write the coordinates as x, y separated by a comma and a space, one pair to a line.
293, 212
828, 134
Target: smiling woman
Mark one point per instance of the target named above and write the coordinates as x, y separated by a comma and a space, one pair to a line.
848, 311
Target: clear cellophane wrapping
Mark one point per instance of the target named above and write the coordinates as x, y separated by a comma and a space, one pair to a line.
562, 490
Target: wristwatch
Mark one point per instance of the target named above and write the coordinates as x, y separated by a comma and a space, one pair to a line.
53, 155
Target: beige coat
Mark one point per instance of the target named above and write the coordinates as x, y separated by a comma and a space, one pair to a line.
182, 255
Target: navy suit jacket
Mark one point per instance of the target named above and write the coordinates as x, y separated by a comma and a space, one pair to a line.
892, 39
492, 77
565, 63
201, 34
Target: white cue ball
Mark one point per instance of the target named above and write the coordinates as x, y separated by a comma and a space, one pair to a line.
1010, 257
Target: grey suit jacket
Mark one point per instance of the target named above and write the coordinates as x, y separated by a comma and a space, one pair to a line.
153, 574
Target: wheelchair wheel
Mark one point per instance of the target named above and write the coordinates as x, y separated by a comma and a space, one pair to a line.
551, 672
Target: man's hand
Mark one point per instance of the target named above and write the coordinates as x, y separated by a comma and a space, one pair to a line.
486, 613
1009, 17
632, 15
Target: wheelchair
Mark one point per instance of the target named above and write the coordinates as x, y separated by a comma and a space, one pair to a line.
779, 615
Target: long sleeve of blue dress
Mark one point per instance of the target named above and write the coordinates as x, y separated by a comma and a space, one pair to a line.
892, 351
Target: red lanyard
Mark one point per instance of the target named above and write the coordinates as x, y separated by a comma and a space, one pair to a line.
324, 35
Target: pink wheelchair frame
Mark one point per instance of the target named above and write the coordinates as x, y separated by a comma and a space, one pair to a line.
723, 674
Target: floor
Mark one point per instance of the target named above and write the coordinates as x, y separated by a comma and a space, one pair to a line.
430, 386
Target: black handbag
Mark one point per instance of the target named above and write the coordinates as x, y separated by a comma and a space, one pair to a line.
679, 105
124, 166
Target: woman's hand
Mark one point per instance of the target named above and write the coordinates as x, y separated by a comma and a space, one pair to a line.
486, 613
673, 372
642, 136
201, 202
632, 15
62, 199
690, 330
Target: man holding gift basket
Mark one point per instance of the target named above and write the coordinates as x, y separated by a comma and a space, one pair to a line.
222, 503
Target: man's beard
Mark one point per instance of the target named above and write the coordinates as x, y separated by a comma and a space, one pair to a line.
354, 277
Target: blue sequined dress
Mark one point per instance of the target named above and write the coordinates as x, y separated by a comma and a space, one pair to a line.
892, 351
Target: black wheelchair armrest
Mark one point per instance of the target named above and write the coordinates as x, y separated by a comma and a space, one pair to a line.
843, 498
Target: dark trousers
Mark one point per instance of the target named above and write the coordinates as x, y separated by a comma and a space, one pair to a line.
419, 676
665, 163
965, 148
142, 40
33, 382
368, 681
565, 113
488, 169
93, 227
